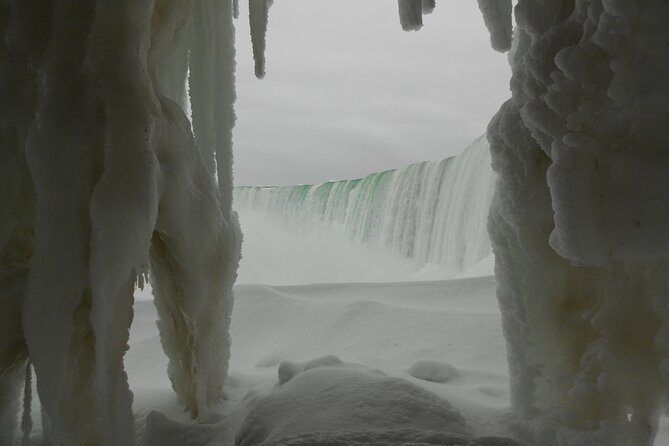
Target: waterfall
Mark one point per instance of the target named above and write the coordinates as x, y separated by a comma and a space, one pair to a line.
434, 212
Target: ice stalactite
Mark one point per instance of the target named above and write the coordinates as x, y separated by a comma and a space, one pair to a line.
497, 18
411, 14
579, 221
203, 262
428, 6
235, 9
106, 181
23, 42
26, 418
258, 18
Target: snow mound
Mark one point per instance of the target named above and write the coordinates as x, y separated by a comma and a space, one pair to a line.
399, 437
433, 371
289, 370
327, 401
163, 431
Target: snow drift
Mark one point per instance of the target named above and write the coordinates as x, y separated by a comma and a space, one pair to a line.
332, 402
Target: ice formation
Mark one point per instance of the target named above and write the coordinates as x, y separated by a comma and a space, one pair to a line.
258, 18
328, 401
103, 181
580, 217
412, 11
497, 18
433, 212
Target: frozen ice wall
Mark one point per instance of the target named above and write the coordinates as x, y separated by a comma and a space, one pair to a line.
432, 212
103, 180
579, 222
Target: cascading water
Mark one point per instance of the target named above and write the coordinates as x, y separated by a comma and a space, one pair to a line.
432, 212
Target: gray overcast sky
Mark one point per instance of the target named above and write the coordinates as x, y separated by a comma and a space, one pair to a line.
347, 92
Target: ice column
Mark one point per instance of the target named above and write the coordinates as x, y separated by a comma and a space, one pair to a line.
20, 46
580, 216
428, 6
412, 11
258, 18
497, 18
235, 8
103, 180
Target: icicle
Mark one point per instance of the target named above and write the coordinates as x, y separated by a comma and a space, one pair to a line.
428, 6
411, 14
497, 18
258, 18
26, 419
194, 256
98, 143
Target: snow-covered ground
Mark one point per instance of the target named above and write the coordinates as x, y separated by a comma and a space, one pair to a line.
358, 363
443, 337
320, 362
378, 362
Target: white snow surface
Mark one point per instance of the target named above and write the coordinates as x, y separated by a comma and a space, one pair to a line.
321, 363
293, 340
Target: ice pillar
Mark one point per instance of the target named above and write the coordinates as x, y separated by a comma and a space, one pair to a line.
258, 19
579, 221
105, 180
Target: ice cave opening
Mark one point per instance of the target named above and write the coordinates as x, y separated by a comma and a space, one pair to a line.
351, 131
116, 131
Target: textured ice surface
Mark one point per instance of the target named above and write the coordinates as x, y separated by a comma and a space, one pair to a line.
103, 179
579, 221
497, 18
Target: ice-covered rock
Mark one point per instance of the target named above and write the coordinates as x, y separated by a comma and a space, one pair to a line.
331, 402
433, 371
